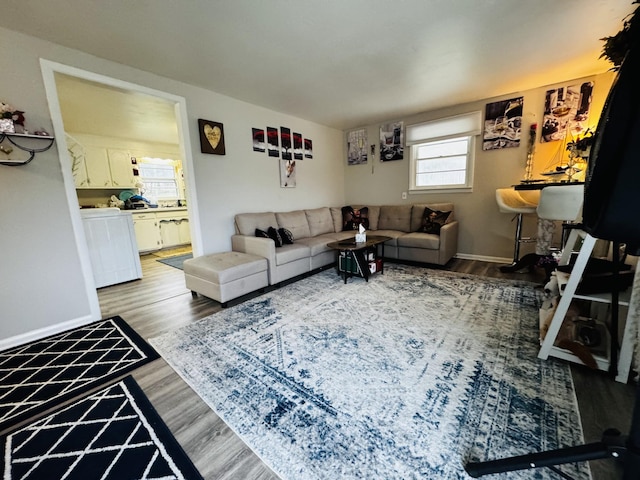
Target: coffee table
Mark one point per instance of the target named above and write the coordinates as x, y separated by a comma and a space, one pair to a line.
356, 252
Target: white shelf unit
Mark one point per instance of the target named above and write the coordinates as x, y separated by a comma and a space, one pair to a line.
568, 293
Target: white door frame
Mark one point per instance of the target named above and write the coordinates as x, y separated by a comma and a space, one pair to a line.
49, 69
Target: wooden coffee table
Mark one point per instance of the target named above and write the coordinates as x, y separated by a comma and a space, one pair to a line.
356, 252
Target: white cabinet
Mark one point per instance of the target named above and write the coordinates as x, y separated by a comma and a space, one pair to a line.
156, 230
147, 232
122, 171
97, 165
112, 248
78, 163
174, 228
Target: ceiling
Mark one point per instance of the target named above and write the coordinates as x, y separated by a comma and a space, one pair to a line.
341, 63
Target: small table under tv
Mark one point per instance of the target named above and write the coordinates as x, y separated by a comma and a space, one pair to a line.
360, 258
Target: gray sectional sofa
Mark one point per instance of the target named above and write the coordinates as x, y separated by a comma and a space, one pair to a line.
312, 229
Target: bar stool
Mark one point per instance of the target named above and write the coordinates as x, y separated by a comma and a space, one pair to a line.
520, 203
562, 202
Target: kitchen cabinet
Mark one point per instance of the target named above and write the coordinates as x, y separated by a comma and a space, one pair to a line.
174, 228
122, 171
78, 163
147, 232
164, 229
97, 166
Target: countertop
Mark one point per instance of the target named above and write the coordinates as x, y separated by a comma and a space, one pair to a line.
159, 209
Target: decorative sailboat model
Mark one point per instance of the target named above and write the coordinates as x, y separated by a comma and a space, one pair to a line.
575, 163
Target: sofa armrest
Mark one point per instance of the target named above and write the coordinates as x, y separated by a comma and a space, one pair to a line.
263, 247
448, 242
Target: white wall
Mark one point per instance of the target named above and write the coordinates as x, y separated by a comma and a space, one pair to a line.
42, 285
485, 233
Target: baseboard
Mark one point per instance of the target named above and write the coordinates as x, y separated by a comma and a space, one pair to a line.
483, 258
41, 333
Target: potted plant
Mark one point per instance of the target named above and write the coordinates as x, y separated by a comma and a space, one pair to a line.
616, 47
581, 146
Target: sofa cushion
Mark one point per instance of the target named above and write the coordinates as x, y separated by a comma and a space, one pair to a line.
295, 222
291, 253
395, 217
246, 223
318, 244
286, 235
320, 221
262, 233
275, 236
418, 211
419, 240
352, 218
374, 216
433, 220
336, 216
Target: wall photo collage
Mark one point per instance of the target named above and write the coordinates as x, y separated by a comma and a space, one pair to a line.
289, 147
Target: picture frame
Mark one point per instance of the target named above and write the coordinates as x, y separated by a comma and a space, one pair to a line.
288, 173
211, 137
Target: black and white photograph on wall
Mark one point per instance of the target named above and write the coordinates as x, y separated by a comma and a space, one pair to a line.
391, 141
566, 111
308, 148
287, 173
258, 140
285, 142
503, 124
272, 141
357, 147
297, 146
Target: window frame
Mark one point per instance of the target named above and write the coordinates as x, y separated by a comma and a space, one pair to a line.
469, 166
464, 126
172, 181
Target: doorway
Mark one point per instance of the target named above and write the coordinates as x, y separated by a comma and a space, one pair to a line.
143, 102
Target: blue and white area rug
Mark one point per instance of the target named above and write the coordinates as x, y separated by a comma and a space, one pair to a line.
410, 375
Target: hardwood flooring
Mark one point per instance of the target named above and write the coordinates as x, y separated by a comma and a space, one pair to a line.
160, 302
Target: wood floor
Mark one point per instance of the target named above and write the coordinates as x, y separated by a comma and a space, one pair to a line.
159, 302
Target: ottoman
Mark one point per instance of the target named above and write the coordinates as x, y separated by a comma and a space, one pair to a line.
225, 276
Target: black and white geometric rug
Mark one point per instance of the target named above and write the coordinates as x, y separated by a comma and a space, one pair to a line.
114, 434
39, 375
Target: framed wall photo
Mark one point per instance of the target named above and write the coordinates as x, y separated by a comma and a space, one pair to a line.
297, 146
308, 148
391, 141
503, 124
258, 139
287, 173
285, 142
211, 137
272, 142
357, 145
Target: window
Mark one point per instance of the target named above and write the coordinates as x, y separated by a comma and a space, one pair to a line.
159, 180
442, 153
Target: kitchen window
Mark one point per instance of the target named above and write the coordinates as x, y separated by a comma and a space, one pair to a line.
159, 179
441, 153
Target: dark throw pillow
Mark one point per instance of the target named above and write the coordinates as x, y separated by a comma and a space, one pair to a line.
352, 219
262, 233
275, 236
433, 220
286, 235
